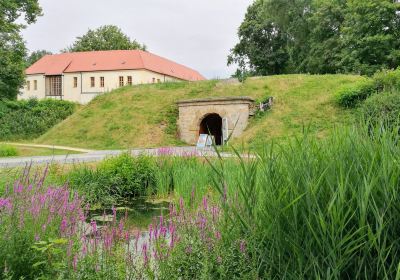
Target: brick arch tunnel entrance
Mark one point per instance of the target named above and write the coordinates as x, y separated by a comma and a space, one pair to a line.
212, 125
201, 115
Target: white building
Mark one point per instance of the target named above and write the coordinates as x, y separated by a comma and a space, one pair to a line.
80, 76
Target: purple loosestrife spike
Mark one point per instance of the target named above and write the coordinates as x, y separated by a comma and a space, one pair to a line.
150, 231
63, 226
144, 252
225, 193
75, 262
242, 246
205, 203
137, 240
94, 226
181, 204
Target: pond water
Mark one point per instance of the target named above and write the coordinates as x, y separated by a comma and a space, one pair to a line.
140, 213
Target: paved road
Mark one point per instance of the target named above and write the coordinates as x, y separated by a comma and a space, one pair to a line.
94, 156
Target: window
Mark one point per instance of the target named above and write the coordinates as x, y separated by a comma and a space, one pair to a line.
130, 80
35, 85
92, 82
101, 81
75, 82
154, 80
158, 81
54, 85
121, 81
28, 85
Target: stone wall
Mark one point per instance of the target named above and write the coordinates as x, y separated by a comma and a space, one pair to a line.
192, 112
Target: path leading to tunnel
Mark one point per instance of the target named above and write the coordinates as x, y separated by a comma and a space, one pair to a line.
94, 156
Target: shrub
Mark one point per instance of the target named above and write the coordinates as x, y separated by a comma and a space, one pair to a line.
116, 179
382, 109
349, 96
28, 119
388, 80
7, 151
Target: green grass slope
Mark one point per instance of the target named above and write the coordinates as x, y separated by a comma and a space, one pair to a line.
145, 115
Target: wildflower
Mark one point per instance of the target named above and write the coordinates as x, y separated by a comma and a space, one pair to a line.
75, 262
144, 252
242, 246
94, 226
5, 203
205, 203
64, 225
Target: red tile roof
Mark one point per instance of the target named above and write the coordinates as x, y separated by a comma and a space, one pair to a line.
110, 61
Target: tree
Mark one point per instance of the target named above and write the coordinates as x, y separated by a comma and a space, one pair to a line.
262, 46
12, 64
319, 36
35, 56
12, 46
107, 37
371, 36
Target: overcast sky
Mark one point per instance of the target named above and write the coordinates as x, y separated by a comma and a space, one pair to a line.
196, 33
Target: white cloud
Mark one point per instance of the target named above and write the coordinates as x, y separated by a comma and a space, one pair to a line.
196, 33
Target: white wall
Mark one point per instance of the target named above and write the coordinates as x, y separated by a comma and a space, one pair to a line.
84, 92
32, 93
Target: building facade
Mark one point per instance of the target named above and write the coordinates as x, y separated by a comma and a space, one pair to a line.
79, 77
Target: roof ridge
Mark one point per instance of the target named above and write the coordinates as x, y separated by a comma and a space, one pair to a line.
141, 58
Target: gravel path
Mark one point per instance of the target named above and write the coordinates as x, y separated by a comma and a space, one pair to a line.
93, 156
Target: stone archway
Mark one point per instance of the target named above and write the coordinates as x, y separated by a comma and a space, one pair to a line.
194, 114
211, 124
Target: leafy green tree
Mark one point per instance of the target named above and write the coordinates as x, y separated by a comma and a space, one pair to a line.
261, 50
370, 36
35, 56
12, 47
107, 37
325, 37
12, 64
11, 10
318, 36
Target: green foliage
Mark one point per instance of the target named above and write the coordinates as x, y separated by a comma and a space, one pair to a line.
255, 33
11, 11
12, 66
350, 96
370, 36
107, 37
115, 180
321, 209
31, 118
35, 56
382, 109
318, 36
7, 151
388, 80
12, 46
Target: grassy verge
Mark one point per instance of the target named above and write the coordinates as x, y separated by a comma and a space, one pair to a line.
145, 116
25, 151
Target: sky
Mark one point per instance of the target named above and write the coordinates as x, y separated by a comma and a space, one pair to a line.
196, 33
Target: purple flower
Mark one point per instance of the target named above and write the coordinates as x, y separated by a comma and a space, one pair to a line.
242, 246
64, 225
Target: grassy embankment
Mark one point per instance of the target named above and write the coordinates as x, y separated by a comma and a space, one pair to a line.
145, 115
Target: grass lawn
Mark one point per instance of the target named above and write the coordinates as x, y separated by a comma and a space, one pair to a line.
145, 115
25, 151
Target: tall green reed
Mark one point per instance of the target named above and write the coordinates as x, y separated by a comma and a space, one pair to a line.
321, 208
